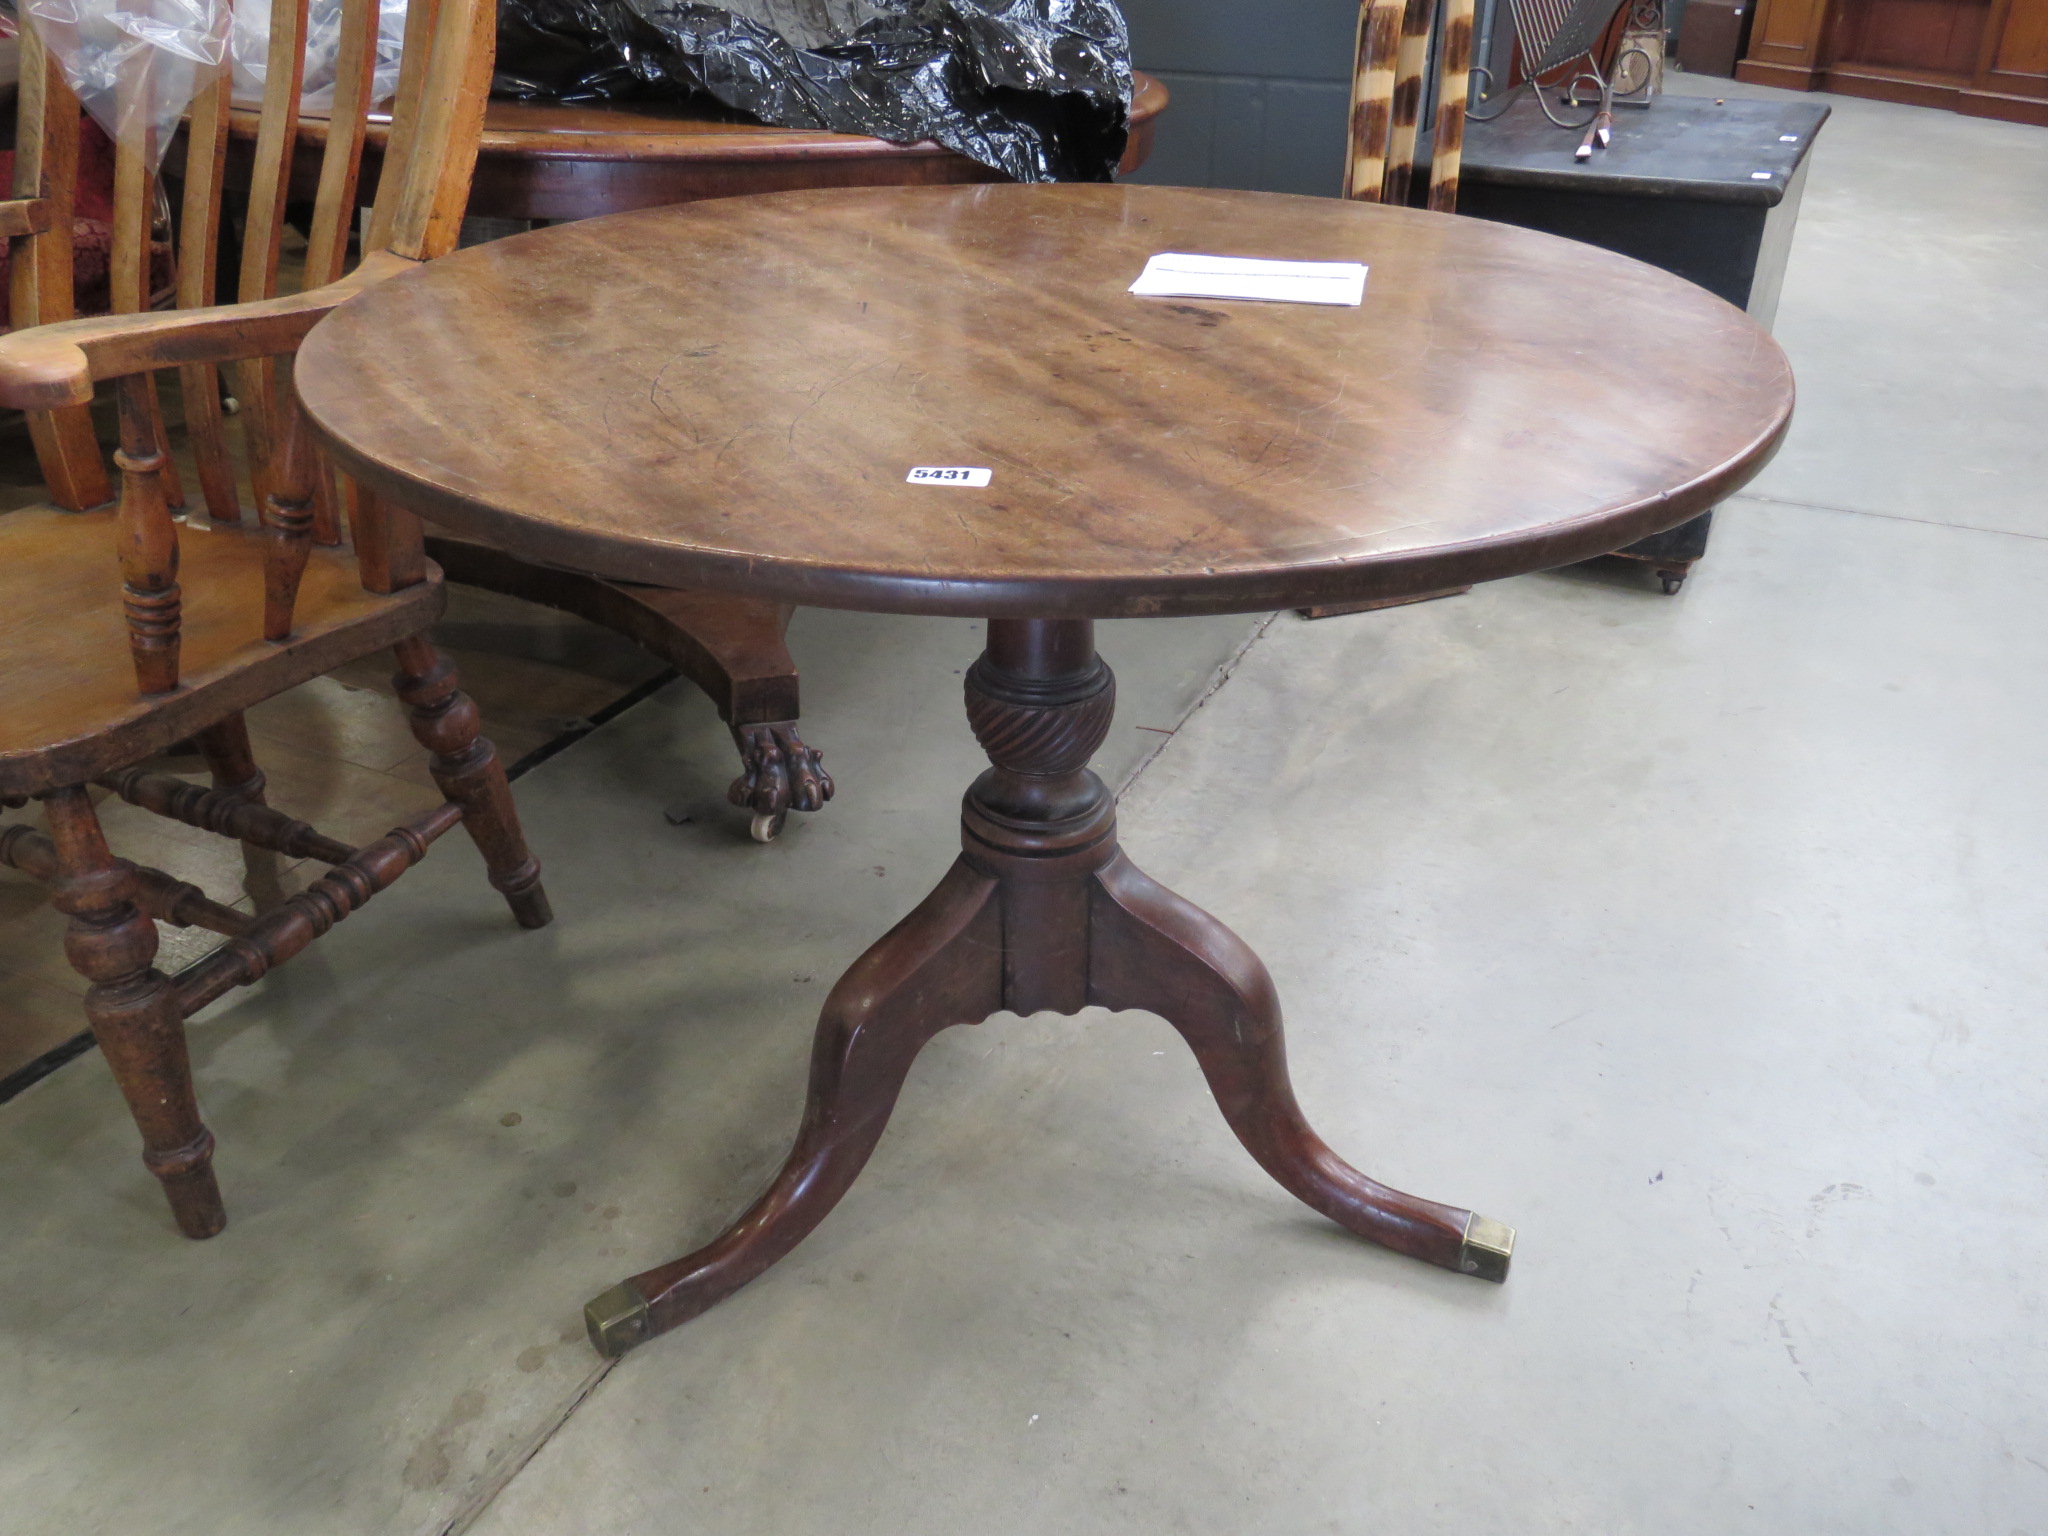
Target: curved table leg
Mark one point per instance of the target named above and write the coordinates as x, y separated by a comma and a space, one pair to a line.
940, 966
1156, 952
1042, 912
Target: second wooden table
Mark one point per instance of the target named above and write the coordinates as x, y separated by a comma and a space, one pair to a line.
553, 160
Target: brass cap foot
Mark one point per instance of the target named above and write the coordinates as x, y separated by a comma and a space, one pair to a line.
1488, 1248
617, 1321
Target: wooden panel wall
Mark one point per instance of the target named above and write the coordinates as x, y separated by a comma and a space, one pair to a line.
1988, 58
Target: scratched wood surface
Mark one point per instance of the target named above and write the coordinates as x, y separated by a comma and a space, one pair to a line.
731, 394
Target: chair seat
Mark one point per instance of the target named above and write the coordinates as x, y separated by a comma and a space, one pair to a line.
69, 709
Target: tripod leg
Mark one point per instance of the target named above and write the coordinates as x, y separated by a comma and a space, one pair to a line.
1153, 951
941, 965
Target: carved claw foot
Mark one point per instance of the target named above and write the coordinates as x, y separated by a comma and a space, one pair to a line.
781, 775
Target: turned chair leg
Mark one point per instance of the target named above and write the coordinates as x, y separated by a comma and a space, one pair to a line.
466, 766
230, 759
232, 762
133, 1010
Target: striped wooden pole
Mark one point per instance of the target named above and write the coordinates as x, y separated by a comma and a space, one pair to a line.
1452, 84
1416, 17
1372, 96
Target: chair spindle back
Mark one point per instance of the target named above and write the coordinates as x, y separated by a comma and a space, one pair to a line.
437, 118
40, 292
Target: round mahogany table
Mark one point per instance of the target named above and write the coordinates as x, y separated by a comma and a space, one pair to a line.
731, 394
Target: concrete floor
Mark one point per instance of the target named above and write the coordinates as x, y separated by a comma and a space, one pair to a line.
1701, 939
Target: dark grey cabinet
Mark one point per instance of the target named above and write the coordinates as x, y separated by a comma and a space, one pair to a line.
1707, 189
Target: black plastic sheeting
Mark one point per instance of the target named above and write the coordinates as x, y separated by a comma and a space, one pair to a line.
1038, 89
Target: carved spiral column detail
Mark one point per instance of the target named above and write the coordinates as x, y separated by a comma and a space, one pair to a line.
1043, 727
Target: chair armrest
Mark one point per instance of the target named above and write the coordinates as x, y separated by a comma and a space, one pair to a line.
23, 216
48, 366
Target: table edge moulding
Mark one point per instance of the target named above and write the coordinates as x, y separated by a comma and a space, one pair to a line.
605, 542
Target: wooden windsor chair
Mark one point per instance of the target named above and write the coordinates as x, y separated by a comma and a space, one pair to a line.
101, 675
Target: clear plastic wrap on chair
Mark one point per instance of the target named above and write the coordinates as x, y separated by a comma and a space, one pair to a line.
135, 64
249, 49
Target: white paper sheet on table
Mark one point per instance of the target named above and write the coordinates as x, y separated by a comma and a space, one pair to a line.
1179, 275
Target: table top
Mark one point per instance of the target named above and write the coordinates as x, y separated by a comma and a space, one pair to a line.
731, 394
1696, 147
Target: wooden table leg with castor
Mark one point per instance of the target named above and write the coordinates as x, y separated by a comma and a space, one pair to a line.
730, 646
